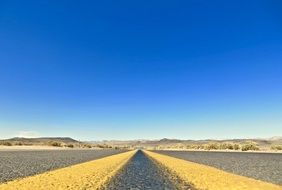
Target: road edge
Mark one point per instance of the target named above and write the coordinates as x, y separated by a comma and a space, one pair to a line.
93, 174
207, 177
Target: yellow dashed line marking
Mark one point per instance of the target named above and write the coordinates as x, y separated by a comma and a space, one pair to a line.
88, 175
209, 178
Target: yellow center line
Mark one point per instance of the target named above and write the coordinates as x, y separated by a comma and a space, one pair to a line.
209, 178
88, 175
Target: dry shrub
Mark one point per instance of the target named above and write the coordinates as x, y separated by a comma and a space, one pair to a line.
236, 146
229, 146
70, 145
54, 143
6, 143
249, 146
276, 147
199, 146
108, 146
211, 146
87, 146
19, 143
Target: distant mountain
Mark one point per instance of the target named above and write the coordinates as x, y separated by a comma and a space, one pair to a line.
276, 138
165, 142
42, 140
263, 143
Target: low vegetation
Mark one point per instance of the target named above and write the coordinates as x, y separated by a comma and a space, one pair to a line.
70, 145
54, 143
19, 143
59, 144
221, 146
163, 144
276, 147
104, 146
211, 146
249, 146
5, 143
86, 146
208, 146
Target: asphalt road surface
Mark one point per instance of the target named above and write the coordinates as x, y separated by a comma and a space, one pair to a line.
263, 166
142, 173
18, 164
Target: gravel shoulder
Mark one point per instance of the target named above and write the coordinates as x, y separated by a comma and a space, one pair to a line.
262, 166
19, 164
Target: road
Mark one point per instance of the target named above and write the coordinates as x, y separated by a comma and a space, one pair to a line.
142, 173
263, 166
137, 170
18, 164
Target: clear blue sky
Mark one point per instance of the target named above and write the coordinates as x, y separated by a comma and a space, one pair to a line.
97, 70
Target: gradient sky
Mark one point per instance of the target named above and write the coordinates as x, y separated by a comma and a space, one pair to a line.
96, 70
